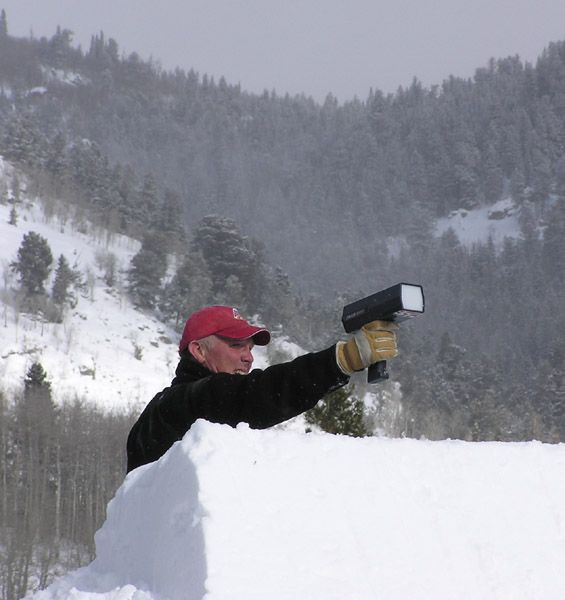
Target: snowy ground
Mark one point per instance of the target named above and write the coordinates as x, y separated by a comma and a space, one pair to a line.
497, 221
92, 353
242, 514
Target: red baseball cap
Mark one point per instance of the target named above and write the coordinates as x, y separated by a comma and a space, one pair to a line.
224, 321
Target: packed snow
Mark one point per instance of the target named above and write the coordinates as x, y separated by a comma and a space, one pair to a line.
244, 514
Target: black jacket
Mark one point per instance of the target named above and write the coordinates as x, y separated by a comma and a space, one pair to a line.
262, 398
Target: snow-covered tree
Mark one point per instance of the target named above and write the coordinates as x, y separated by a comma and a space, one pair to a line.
147, 269
65, 277
33, 263
228, 253
189, 290
339, 412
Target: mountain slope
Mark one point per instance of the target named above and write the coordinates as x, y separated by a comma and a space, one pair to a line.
105, 351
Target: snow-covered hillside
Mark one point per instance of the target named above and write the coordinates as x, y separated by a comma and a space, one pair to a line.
497, 221
105, 351
239, 514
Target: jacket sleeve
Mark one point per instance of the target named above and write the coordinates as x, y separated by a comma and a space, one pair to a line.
262, 398
266, 397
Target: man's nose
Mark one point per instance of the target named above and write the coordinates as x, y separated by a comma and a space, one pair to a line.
247, 356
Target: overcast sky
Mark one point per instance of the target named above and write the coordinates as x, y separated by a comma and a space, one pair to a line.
314, 47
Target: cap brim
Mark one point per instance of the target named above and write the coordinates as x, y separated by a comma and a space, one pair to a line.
260, 336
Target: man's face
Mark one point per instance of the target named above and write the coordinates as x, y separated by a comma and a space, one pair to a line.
223, 355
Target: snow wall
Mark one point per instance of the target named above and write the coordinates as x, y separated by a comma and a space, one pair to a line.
231, 514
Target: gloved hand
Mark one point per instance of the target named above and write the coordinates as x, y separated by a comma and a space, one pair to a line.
374, 342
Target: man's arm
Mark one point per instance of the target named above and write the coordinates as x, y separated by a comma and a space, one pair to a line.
267, 397
262, 398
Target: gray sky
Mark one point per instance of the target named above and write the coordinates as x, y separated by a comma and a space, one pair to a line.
308, 46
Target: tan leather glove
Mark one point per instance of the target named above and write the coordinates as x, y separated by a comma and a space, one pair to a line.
374, 342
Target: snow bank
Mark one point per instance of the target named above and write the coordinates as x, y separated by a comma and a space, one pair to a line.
243, 514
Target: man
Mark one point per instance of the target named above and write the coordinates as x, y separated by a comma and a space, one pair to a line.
214, 380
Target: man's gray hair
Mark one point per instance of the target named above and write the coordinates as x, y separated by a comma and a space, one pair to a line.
208, 341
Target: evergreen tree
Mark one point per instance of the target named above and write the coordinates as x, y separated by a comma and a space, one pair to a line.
171, 217
147, 269
91, 176
198, 275
35, 446
33, 263
189, 290
56, 158
37, 415
233, 294
60, 45
36, 386
487, 420
126, 196
23, 141
339, 412
553, 249
109, 264
13, 220
227, 253
146, 205
493, 179
65, 277
280, 302
554, 390
3, 194
3, 25
16, 189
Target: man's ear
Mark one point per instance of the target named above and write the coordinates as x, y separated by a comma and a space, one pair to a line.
197, 350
